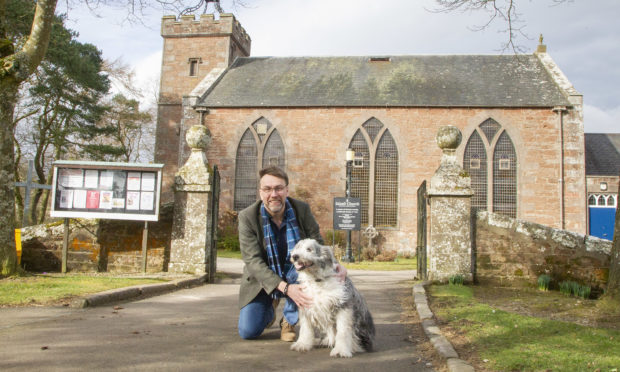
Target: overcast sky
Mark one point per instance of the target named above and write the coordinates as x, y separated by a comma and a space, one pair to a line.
583, 37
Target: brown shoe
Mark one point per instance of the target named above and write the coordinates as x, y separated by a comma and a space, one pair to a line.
288, 331
274, 304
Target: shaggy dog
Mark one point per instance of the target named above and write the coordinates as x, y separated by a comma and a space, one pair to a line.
338, 312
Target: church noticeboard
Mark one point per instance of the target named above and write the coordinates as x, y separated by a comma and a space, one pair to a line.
347, 213
121, 191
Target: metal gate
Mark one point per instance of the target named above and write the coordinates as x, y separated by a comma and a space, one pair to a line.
421, 246
215, 204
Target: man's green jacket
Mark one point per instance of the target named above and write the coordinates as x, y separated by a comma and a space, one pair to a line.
257, 274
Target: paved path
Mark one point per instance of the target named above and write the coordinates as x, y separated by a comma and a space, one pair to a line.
194, 329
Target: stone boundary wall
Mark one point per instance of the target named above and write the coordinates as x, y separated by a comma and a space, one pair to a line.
98, 245
511, 251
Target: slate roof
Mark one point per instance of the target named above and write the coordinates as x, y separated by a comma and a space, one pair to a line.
602, 154
402, 81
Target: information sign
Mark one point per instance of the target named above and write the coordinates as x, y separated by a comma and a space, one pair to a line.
347, 213
122, 191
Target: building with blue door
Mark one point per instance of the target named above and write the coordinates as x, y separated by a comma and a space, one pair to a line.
602, 178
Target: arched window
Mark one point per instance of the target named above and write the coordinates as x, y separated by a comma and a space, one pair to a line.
475, 163
377, 155
259, 147
592, 200
490, 141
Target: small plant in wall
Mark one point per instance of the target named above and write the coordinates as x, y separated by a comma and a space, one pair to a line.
456, 279
543, 282
575, 289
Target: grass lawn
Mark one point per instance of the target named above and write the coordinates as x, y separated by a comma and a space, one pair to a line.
398, 264
507, 341
50, 289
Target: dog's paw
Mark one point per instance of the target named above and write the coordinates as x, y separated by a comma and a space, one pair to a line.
341, 353
298, 346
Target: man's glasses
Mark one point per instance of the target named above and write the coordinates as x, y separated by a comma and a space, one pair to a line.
269, 190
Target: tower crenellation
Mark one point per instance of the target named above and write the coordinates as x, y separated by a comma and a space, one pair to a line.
206, 25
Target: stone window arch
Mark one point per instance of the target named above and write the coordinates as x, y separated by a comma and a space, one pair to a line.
490, 141
374, 178
260, 146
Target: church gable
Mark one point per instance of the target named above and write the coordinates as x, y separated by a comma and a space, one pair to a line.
396, 81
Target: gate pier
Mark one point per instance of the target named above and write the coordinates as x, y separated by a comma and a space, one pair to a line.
450, 248
192, 248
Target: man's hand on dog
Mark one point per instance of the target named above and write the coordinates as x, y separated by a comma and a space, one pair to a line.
296, 293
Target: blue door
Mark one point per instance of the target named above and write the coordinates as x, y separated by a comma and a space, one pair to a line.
602, 222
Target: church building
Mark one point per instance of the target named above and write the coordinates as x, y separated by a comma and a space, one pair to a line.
520, 117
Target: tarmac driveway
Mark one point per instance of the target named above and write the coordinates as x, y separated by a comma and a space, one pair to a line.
193, 330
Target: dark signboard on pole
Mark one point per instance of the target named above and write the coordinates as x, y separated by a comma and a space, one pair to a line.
347, 213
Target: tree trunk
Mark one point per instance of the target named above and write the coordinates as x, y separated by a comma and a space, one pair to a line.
15, 68
8, 256
613, 284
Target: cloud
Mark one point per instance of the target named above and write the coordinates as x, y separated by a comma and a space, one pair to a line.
597, 120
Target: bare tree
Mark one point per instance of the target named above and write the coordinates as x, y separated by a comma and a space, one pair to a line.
500, 11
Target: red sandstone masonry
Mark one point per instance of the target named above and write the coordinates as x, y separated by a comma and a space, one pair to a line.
318, 165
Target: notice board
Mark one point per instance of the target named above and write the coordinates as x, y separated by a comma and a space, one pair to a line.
121, 191
347, 213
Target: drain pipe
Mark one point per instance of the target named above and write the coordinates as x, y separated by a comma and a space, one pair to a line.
560, 110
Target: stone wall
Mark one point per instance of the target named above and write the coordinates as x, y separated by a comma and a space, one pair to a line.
513, 251
98, 245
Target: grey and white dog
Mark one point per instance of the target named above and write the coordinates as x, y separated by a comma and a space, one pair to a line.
338, 313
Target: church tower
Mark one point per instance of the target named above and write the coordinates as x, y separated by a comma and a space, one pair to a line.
192, 48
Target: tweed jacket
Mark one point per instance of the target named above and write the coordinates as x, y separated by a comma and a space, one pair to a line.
256, 273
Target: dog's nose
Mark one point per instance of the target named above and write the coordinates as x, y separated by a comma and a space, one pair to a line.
295, 257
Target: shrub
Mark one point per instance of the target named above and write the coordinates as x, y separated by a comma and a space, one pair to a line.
456, 279
543, 282
227, 234
386, 256
335, 238
369, 253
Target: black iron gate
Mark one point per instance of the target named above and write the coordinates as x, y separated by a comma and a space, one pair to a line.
215, 203
421, 246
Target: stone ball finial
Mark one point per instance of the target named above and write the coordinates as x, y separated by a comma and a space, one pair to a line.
198, 137
448, 137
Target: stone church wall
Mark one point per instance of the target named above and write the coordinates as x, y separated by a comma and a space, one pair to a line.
315, 140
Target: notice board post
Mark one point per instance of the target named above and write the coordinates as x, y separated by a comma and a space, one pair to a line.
105, 190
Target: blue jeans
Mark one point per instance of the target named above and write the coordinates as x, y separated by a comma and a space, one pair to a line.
254, 317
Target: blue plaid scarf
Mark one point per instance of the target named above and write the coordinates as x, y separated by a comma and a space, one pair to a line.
292, 237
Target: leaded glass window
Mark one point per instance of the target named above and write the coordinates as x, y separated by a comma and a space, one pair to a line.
475, 163
489, 128
377, 155
505, 177
501, 172
274, 151
360, 182
386, 182
259, 147
246, 171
